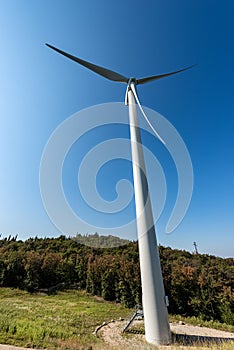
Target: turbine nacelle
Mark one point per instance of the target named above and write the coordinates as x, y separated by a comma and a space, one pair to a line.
132, 80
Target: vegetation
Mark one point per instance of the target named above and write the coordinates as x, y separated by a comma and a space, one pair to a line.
197, 285
65, 320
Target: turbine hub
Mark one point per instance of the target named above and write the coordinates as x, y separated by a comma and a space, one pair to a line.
132, 80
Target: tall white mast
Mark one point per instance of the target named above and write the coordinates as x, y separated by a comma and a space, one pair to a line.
157, 330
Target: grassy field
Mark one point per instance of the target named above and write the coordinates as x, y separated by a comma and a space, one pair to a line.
65, 320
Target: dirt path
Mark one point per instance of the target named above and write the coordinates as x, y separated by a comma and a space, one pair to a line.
199, 331
9, 347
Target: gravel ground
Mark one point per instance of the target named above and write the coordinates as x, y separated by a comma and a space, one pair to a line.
112, 334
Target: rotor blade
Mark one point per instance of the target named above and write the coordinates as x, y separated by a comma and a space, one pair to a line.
106, 73
156, 77
142, 111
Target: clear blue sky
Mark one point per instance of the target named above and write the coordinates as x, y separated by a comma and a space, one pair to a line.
39, 89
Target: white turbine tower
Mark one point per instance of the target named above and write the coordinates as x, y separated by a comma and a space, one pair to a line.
157, 330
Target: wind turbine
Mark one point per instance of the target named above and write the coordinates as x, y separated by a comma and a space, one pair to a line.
157, 330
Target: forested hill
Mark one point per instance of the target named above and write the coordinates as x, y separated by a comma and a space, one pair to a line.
99, 241
196, 284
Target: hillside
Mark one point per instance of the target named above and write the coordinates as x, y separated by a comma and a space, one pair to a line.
196, 284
